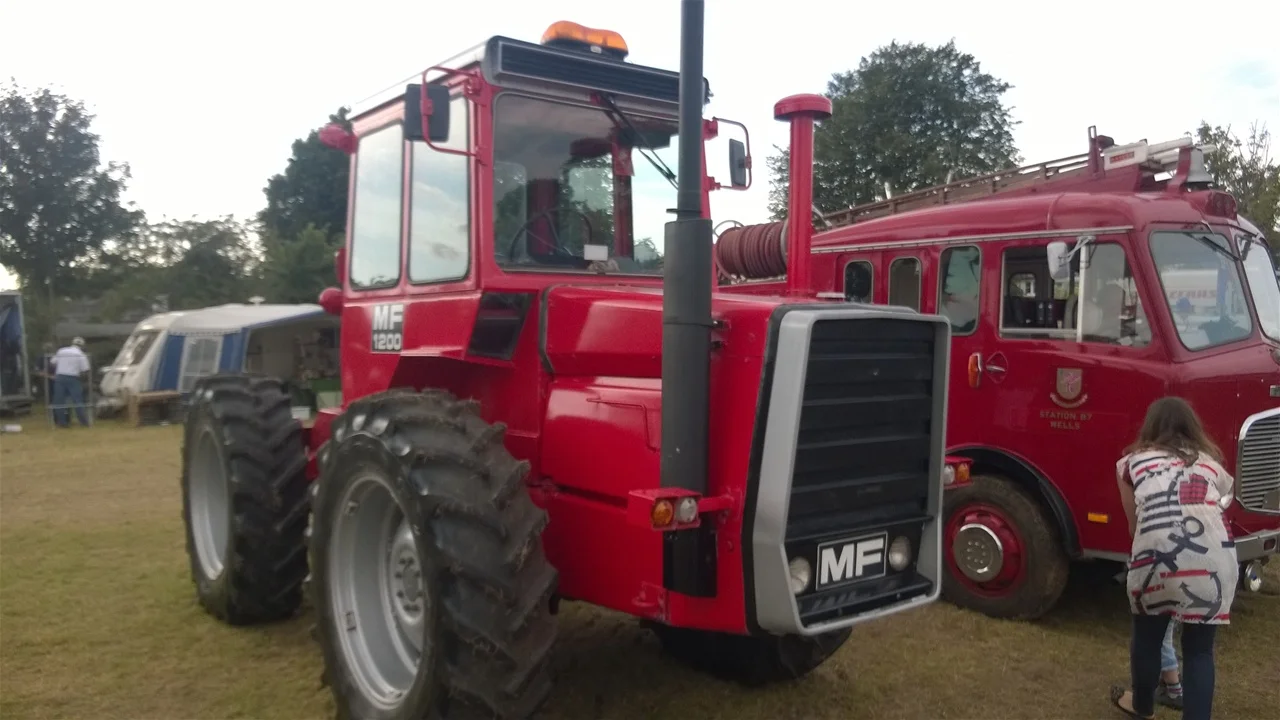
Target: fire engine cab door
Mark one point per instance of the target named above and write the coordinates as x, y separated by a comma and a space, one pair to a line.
1067, 371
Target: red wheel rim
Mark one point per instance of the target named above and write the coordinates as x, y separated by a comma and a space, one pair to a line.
984, 550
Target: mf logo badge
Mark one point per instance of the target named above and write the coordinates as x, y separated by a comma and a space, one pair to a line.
1069, 390
388, 328
846, 561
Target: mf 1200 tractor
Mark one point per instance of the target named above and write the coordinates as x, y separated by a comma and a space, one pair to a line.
543, 400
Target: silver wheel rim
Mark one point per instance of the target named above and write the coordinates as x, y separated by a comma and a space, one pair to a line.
978, 552
209, 504
381, 608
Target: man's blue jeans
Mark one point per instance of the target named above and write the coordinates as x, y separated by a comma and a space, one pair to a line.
67, 390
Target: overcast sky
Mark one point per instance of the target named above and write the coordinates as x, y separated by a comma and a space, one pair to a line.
203, 99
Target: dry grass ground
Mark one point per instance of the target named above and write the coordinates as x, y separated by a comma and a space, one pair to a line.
98, 620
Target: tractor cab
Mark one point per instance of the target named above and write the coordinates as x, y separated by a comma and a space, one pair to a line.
555, 157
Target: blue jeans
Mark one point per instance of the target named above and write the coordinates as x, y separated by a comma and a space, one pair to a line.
1168, 658
67, 390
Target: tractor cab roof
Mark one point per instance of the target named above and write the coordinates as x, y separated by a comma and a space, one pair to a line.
557, 65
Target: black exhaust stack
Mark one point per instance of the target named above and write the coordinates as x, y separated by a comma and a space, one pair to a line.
688, 555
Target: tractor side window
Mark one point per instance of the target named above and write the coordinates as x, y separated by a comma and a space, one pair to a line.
960, 276
440, 218
375, 222
904, 283
859, 279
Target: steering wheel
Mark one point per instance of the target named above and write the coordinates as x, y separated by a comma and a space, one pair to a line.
556, 247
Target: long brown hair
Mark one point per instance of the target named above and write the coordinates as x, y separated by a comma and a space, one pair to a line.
1172, 426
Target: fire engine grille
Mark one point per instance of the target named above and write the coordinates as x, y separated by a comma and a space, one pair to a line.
1258, 465
862, 462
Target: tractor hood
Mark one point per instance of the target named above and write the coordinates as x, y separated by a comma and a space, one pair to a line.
617, 331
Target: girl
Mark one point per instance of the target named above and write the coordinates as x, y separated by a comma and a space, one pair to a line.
1183, 563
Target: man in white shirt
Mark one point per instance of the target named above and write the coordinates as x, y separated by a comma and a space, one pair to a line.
70, 364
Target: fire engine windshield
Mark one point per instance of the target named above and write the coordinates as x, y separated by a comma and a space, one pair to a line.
572, 190
1201, 280
1264, 285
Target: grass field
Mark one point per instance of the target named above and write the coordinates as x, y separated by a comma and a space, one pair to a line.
98, 620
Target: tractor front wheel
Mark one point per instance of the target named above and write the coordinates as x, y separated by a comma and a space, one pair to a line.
1002, 555
432, 591
748, 659
245, 499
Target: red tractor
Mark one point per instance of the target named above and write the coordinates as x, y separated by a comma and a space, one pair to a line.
532, 380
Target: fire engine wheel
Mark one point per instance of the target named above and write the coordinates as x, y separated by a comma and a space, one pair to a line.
245, 499
1001, 550
431, 588
748, 659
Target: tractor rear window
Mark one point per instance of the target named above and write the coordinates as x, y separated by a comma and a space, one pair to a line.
375, 222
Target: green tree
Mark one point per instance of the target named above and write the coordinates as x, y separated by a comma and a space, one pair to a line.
909, 117
297, 269
58, 204
1246, 170
312, 190
190, 263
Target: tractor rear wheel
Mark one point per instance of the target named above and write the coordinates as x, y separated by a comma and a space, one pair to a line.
245, 499
1002, 554
748, 659
432, 592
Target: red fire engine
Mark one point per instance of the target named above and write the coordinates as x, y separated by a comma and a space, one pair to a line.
1078, 291
539, 405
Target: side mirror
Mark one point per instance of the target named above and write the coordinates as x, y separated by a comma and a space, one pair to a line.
437, 121
1059, 260
737, 164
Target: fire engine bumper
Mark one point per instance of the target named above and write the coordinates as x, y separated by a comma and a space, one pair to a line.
846, 474
1258, 545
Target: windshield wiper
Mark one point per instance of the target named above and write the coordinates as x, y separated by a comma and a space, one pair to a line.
654, 160
1206, 239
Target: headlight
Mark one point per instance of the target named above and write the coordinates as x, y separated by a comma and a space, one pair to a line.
948, 475
801, 573
687, 510
900, 553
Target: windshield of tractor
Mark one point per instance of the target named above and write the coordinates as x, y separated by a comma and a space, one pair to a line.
574, 190
1263, 284
1201, 280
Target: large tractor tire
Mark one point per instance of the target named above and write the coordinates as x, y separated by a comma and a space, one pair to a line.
1002, 552
751, 660
431, 588
245, 499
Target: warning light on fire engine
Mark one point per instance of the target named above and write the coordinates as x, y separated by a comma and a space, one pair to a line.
571, 34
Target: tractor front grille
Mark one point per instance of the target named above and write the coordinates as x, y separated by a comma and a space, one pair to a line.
862, 460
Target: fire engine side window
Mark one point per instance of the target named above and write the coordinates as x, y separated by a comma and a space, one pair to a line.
960, 279
1023, 312
440, 217
1099, 304
904, 283
375, 222
859, 277
1110, 309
